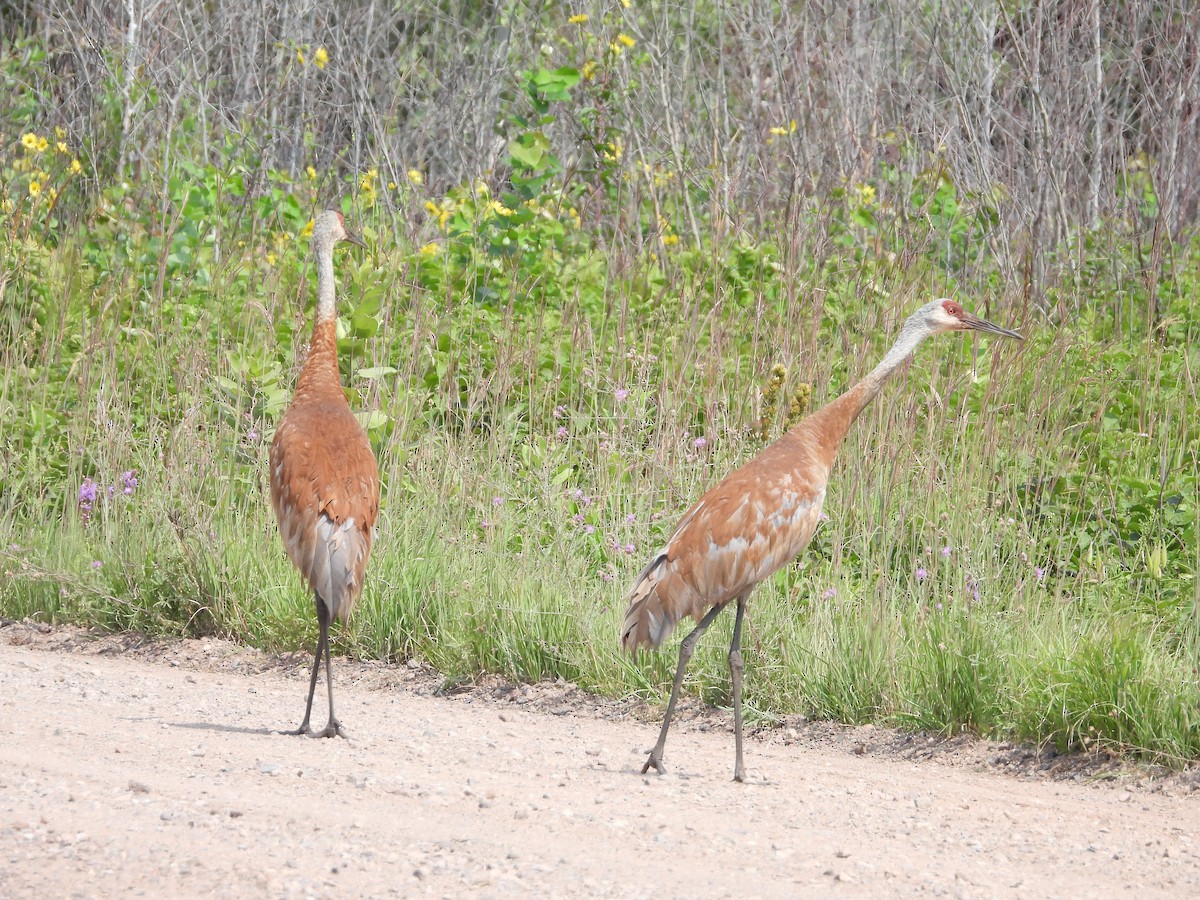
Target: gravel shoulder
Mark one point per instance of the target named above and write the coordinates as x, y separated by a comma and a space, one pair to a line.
144, 767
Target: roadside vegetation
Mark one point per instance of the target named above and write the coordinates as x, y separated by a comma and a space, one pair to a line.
644, 258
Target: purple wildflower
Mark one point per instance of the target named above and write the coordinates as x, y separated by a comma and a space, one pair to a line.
485, 524
946, 551
1039, 573
96, 564
700, 443
630, 519
973, 587
87, 498
497, 501
560, 412
621, 394
606, 576
821, 517
630, 548
829, 593
112, 491
922, 574
129, 482
561, 434
589, 529
252, 435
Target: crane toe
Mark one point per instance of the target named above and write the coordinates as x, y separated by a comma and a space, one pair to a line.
656, 762
333, 729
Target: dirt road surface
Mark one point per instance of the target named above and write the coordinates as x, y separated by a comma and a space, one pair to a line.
137, 768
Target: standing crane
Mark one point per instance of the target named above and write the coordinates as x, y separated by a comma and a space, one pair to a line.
324, 478
756, 520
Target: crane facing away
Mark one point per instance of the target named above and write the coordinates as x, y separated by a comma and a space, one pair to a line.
324, 478
756, 520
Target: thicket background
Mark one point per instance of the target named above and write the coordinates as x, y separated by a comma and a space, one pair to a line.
594, 230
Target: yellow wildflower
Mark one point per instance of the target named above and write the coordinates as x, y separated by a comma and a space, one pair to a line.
498, 207
391, 185
481, 188
76, 167
627, 3
29, 140
613, 150
35, 188
578, 19
432, 208
866, 193
430, 249
670, 239
53, 194
589, 69
62, 148
60, 133
42, 144
415, 176
271, 257
306, 231
300, 56
626, 39
7, 205
312, 173
321, 57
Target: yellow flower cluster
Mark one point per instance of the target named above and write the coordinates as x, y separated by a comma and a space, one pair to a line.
320, 57
34, 164
366, 186
669, 238
440, 212
618, 46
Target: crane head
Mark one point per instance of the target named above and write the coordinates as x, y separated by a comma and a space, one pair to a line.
330, 227
946, 315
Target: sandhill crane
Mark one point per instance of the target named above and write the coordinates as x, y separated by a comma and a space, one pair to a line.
324, 478
756, 520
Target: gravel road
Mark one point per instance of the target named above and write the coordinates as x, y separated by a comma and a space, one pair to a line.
133, 767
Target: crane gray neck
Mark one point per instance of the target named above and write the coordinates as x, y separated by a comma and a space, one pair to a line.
911, 335
326, 294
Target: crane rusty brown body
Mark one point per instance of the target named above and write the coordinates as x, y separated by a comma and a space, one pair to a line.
324, 478
756, 520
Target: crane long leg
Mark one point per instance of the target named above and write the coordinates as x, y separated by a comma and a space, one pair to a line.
735, 672
686, 648
333, 728
322, 619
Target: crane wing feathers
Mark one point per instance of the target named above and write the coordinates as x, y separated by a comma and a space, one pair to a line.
325, 491
742, 531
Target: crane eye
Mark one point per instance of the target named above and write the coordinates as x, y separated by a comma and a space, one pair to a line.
953, 309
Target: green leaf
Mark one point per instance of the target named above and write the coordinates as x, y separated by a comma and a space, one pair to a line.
375, 372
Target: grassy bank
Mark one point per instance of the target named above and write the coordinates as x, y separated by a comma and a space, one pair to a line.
553, 359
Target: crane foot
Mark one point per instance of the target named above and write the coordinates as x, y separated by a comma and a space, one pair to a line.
655, 761
333, 729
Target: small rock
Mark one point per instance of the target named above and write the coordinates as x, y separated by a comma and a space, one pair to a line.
1124, 797
138, 788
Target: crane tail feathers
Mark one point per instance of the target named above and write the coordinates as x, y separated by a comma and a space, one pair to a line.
648, 620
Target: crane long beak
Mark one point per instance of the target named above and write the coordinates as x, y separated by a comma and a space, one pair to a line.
354, 239
977, 324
